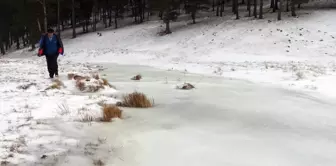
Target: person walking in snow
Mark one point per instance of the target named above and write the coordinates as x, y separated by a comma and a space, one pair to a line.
51, 46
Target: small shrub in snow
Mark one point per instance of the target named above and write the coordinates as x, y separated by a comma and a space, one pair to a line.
185, 86
78, 77
111, 111
136, 100
137, 77
71, 76
299, 75
64, 109
26, 86
98, 163
80, 85
4, 163
57, 84
106, 83
95, 76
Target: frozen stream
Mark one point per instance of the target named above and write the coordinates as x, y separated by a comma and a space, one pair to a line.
220, 123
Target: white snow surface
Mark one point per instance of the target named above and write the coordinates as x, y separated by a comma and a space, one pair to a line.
221, 122
25, 135
297, 53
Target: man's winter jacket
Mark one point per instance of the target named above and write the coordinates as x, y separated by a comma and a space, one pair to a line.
50, 46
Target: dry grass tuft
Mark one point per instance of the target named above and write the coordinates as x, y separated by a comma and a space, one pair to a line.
80, 85
94, 88
106, 83
57, 84
137, 100
96, 76
137, 77
78, 77
71, 76
27, 86
98, 162
111, 111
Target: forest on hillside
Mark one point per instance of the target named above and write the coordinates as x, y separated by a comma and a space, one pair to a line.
23, 21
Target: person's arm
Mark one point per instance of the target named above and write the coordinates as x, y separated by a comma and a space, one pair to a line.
40, 51
60, 45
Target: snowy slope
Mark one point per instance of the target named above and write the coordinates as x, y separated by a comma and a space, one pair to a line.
26, 109
222, 121
294, 53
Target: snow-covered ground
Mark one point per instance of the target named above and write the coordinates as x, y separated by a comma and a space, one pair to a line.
27, 107
294, 53
221, 122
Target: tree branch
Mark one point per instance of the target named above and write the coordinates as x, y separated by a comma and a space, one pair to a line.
40, 1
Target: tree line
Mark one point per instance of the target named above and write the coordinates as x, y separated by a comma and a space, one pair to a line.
23, 21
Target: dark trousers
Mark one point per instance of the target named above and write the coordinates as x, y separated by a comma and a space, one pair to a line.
52, 65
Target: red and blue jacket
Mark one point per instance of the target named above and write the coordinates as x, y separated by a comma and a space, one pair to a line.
50, 46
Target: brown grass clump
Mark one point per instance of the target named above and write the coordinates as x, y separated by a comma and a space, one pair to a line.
106, 83
137, 77
26, 86
57, 84
96, 76
80, 85
71, 76
93, 88
137, 100
98, 163
110, 112
78, 77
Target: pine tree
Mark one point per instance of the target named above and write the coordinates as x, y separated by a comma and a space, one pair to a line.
261, 9
193, 7
73, 20
280, 9
255, 9
168, 9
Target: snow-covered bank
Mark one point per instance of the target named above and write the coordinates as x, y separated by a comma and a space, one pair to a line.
295, 53
26, 109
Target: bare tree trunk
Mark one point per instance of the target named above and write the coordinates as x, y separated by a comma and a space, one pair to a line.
272, 4
213, 5
116, 18
58, 18
168, 27
293, 8
261, 9
234, 6
236, 9
276, 3
2, 48
222, 8
287, 6
255, 9
104, 17
280, 10
45, 19
217, 10
110, 17
249, 7
95, 7
193, 16
45, 16
39, 25
17, 40
73, 20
